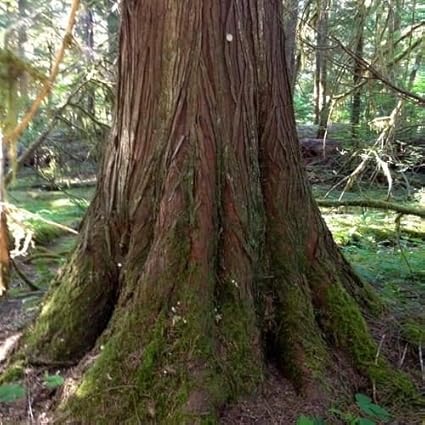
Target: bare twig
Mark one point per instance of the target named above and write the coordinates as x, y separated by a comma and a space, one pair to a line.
398, 232
403, 356
376, 74
378, 351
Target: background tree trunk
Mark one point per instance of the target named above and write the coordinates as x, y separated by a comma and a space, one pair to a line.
321, 71
87, 29
4, 232
203, 254
22, 39
290, 19
356, 106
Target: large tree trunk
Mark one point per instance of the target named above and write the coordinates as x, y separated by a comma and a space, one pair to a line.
203, 254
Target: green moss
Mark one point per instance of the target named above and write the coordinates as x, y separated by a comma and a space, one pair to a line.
351, 332
393, 386
61, 332
413, 330
154, 363
347, 325
296, 340
239, 362
300, 347
14, 372
154, 350
146, 376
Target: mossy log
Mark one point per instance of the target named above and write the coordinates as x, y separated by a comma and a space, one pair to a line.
374, 204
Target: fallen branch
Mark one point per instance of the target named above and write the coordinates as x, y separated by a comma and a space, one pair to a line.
369, 203
11, 207
24, 278
46, 256
59, 185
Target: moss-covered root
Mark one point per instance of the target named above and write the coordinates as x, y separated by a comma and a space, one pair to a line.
172, 365
342, 320
76, 311
299, 348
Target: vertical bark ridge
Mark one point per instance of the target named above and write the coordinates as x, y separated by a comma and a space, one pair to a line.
241, 214
296, 342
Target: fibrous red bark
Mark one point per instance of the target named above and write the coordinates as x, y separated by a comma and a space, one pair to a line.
203, 254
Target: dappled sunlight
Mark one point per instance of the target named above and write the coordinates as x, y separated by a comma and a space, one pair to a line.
60, 203
7, 345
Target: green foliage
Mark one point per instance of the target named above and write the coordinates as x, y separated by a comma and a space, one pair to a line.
413, 329
303, 100
371, 409
349, 418
310, 420
53, 381
11, 392
395, 54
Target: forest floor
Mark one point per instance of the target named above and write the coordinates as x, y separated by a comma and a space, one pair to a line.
388, 253
43, 226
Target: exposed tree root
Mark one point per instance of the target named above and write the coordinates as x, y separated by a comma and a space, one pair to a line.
174, 354
80, 301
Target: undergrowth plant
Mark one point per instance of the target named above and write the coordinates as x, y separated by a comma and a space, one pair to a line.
371, 414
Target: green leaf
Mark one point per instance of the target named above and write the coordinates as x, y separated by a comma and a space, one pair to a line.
362, 399
379, 412
53, 381
309, 420
371, 409
11, 392
305, 420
